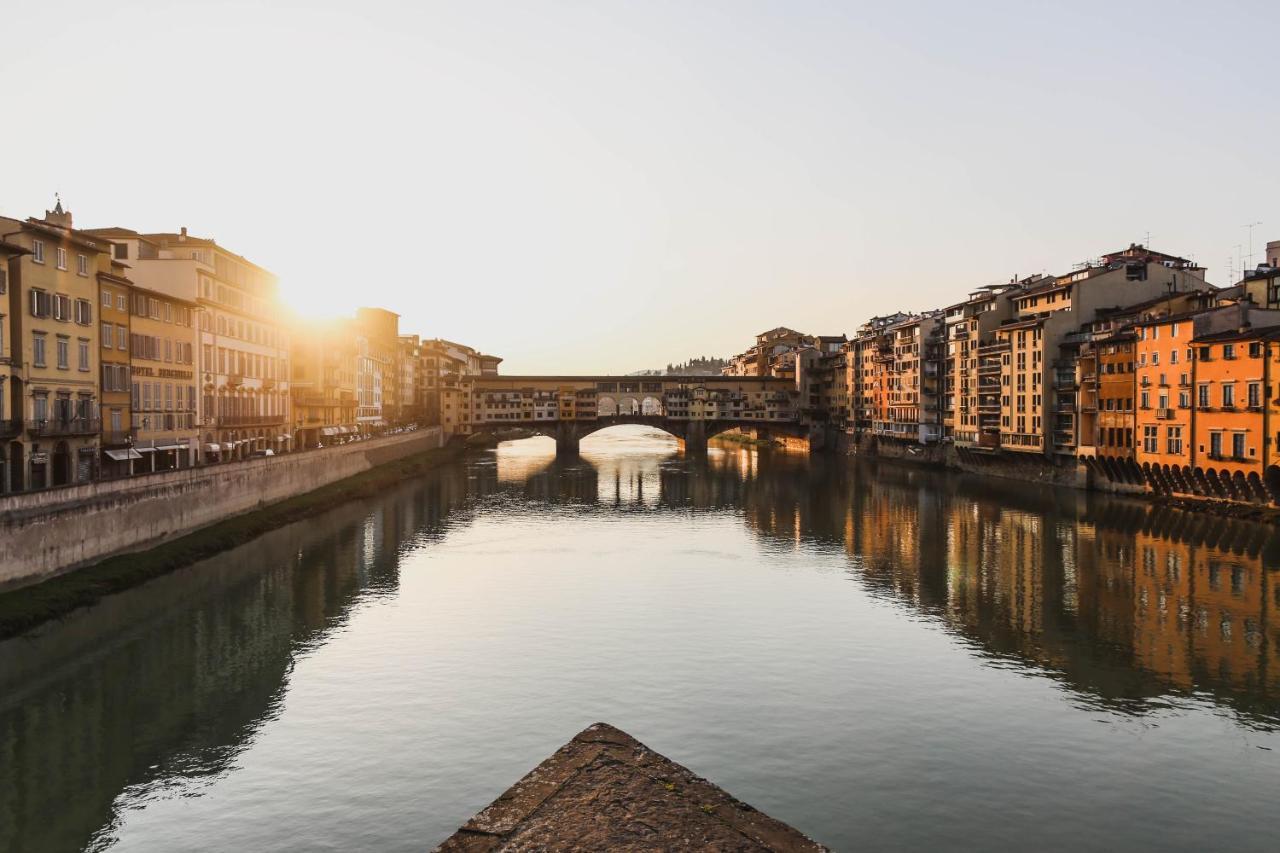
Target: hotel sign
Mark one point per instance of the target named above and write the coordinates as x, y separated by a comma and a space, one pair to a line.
163, 372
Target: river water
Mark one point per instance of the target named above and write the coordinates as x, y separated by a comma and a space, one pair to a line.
885, 657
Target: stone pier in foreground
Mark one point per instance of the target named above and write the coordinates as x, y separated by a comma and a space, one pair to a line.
604, 790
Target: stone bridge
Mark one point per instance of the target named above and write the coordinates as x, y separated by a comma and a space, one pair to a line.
692, 408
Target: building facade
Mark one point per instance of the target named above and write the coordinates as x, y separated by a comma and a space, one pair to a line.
163, 339
53, 350
242, 361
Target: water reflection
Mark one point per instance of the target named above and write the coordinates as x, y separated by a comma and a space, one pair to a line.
154, 693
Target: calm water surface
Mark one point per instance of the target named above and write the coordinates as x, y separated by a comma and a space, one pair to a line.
887, 658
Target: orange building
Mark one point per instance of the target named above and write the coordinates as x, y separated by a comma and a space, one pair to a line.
1233, 421
1204, 416
1164, 372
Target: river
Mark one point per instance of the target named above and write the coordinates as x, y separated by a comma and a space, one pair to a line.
886, 657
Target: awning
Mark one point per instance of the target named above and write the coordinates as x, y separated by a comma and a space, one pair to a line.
331, 430
146, 450
122, 455
171, 447
213, 448
344, 430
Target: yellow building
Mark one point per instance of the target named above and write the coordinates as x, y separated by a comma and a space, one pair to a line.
54, 361
10, 366
162, 346
118, 454
323, 382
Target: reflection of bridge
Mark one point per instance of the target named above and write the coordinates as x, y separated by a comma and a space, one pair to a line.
692, 408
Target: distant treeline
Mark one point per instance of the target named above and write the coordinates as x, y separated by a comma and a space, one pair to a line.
703, 366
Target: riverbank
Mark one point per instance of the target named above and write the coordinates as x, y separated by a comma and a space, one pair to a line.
1035, 470
26, 607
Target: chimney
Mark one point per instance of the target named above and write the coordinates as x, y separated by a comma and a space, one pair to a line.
182, 233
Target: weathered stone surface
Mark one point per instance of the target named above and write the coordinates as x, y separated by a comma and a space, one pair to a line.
604, 790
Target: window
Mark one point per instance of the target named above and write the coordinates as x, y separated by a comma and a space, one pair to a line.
83, 363
120, 251
1173, 330
1215, 445
1151, 439
1228, 350
1155, 359
37, 348
1174, 440
122, 302
64, 353
84, 312
122, 338
1145, 399
1228, 396
1203, 396
82, 265
1173, 357
1237, 445
61, 307
108, 335
37, 251
1255, 395
106, 299
1255, 349
62, 258
41, 303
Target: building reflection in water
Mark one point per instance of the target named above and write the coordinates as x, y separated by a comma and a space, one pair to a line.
1126, 604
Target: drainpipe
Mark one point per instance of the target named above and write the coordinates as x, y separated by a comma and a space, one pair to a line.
1266, 407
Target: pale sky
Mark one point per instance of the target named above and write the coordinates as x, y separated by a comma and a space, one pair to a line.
595, 187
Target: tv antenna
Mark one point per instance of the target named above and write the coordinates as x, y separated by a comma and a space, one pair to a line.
1250, 226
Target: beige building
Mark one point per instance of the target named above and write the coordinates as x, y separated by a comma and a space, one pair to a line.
162, 345
53, 350
971, 325
379, 375
1038, 378
242, 361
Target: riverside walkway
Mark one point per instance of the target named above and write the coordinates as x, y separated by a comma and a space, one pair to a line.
604, 790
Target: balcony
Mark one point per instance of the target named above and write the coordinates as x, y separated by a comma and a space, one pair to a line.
1062, 379
1164, 414
235, 379
48, 428
249, 420
11, 428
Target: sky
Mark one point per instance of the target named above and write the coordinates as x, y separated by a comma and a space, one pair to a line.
600, 187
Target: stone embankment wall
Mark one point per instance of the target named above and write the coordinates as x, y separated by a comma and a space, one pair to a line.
1034, 468
48, 532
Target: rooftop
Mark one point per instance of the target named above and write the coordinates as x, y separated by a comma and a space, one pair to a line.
604, 790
